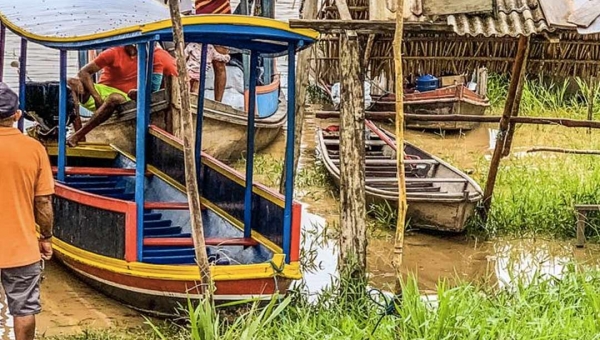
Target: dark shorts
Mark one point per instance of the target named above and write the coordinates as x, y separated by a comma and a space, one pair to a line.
22, 288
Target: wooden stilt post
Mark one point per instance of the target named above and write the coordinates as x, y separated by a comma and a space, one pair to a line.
592, 88
353, 238
513, 89
302, 81
516, 103
402, 206
191, 182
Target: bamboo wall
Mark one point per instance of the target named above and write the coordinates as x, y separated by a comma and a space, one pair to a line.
447, 53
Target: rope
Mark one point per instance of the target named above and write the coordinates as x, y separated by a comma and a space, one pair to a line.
277, 271
388, 305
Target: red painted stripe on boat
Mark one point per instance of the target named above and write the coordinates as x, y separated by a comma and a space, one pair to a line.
98, 171
381, 135
233, 287
92, 200
167, 205
189, 242
296, 228
131, 233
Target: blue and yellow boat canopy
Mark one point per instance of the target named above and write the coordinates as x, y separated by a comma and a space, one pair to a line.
82, 25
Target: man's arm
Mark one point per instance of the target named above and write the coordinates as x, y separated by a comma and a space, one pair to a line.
85, 75
44, 218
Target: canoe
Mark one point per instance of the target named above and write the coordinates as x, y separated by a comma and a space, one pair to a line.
96, 237
224, 127
455, 99
439, 196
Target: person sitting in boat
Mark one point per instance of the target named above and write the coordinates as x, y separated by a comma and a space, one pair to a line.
118, 79
218, 56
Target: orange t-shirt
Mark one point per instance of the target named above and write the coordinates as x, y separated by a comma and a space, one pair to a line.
119, 69
24, 173
168, 63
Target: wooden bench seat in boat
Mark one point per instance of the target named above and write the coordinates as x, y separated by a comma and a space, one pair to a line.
95, 172
189, 242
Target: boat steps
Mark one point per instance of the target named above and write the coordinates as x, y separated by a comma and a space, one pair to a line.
164, 243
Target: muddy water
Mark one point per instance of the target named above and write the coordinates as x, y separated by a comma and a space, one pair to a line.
70, 306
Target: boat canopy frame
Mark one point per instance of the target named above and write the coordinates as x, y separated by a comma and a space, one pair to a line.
256, 36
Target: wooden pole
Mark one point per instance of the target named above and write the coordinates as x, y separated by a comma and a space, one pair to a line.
591, 97
191, 181
504, 123
353, 239
303, 82
402, 205
516, 104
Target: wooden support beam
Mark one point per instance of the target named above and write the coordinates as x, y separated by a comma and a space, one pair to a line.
365, 26
504, 123
567, 151
402, 204
353, 238
516, 105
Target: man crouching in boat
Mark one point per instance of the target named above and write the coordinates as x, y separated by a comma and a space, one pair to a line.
26, 198
118, 79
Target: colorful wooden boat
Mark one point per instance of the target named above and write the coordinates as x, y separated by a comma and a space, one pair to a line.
122, 220
439, 196
455, 99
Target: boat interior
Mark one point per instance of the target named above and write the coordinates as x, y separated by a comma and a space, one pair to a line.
107, 175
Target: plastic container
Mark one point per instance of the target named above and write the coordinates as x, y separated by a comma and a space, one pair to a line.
427, 83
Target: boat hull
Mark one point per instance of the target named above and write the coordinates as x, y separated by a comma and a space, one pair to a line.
224, 132
453, 100
443, 211
166, 297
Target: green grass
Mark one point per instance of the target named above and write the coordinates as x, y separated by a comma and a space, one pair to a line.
568, 308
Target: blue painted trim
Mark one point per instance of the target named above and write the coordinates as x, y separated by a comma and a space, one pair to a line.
250, 147
63, 92
22, 81
289, 154
200, 113
149, 74
140, 149
83, 59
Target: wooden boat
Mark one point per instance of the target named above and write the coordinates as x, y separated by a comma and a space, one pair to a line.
439, 196
455, 99
98, 193
122, 221
225, 127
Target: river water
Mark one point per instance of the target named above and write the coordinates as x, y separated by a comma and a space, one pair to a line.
70, 306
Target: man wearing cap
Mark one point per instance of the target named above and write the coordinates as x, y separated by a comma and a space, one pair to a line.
26, 191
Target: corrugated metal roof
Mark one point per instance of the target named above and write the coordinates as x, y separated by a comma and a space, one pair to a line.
515, 17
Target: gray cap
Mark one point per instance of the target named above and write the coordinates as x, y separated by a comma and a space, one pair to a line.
9, 101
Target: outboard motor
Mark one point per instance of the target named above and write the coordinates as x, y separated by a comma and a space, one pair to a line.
41, 106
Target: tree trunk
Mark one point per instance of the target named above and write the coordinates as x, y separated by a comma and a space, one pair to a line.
402, 206
353, 238
303, 82
191, 181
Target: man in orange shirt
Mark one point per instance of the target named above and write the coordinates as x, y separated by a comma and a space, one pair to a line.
119, 77
26, 192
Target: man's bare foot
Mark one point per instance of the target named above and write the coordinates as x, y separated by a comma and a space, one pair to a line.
132, 94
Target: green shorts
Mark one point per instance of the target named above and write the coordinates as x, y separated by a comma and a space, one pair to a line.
104, 91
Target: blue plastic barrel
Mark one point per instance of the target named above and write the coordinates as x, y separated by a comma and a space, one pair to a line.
427, 83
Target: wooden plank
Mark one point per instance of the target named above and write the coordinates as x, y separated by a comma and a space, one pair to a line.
344, 12
445, 7
167, 205
585, 15
365, 26
188, 242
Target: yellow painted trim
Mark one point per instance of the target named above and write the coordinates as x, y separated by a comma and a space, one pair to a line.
178, 272
91, 150
211, 206
151, 27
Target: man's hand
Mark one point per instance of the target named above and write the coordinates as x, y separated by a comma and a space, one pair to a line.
46, 249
